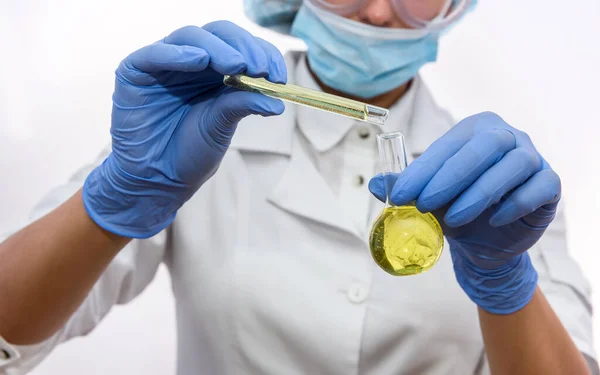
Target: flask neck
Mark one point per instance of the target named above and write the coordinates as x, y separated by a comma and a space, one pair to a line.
392, 159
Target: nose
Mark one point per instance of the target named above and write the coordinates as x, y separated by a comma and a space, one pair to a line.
379, 13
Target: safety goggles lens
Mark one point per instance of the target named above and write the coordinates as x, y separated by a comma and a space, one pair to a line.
416, 13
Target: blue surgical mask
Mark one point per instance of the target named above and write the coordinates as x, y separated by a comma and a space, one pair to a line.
359, 59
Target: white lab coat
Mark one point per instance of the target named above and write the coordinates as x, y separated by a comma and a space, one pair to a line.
272, 275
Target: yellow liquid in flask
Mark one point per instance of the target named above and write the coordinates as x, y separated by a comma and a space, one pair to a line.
404, 241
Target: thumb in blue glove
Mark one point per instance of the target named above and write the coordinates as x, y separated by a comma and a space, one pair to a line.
172, 122
494, 196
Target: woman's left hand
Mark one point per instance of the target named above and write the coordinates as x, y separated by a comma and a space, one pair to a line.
494, 196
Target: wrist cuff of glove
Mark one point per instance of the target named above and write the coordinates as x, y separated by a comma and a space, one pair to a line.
124, 205
504, 290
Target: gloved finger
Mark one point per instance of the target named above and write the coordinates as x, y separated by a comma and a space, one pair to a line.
539, 195
236, 105
377, 187
277, 67
465, 167
411, 182
219, 123
224, 59
161, 57
510, 172
241, 40
381, 185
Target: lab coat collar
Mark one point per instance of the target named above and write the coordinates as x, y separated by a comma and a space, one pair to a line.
303, 191
428, 122
322, 129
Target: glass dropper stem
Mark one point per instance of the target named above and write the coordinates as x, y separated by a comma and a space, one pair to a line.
392, 159
310, 98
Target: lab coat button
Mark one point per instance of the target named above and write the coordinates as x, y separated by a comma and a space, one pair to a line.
357, 293
364, 133
359, 180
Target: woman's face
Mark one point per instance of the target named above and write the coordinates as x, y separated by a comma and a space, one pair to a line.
381, 13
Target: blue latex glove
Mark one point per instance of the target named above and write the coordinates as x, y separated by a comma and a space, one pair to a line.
172, 122
494, 196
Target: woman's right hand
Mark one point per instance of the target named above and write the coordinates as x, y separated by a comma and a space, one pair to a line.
172, 122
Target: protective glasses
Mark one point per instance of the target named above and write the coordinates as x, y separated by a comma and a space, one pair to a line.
420, 14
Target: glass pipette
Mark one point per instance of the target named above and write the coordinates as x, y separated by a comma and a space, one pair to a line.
310, 98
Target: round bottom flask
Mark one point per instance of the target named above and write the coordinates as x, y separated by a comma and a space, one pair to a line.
403, 241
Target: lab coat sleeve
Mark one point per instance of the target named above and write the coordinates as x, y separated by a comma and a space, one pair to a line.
565, 287
125, 278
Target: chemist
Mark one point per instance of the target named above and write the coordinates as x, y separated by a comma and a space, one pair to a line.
261, 213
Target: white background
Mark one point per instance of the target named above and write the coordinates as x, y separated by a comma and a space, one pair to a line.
534, 62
